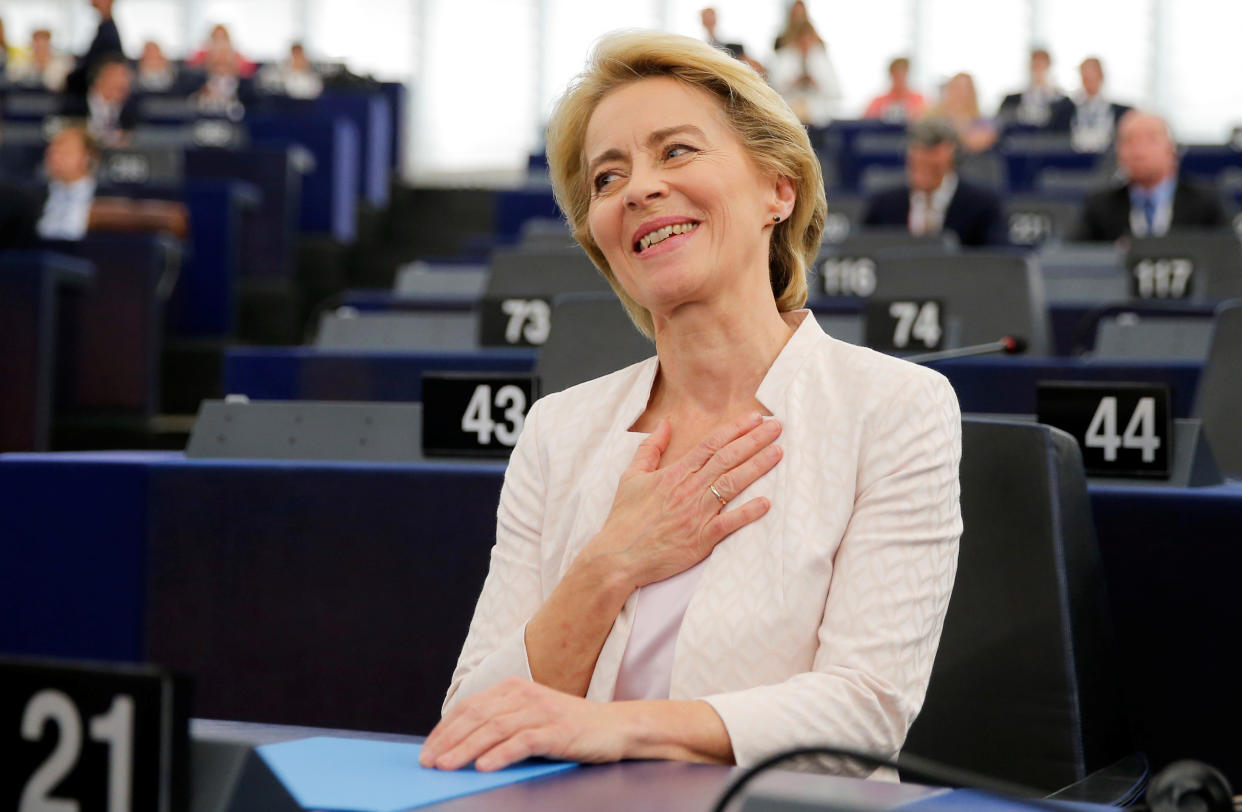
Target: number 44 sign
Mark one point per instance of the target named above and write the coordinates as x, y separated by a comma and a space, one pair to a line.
91, 737
1123, 429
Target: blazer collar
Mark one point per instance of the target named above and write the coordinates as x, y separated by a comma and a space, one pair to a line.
772, 389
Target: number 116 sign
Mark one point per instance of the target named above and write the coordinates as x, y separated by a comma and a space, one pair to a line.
1123, 429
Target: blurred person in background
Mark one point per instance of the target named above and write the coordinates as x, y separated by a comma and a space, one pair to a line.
106, 43
959, 105
68, 207
736, 50
155, 73
1154, 199
42, 68
794, 21
803, 74
900, 103
1088, 116
294, 76
934, 198
1033, 106
224, 91
7, 52
65, 203
219, 41
109, 108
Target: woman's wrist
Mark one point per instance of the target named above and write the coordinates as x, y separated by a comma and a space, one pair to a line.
606, 572
670, 729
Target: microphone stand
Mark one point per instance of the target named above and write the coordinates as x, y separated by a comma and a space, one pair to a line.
1009, 345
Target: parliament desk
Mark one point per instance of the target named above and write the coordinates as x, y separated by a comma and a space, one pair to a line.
307, 373
651, 786
988, 384
31, 284
282, 586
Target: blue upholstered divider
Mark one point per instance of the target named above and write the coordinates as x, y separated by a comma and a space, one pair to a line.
330, 191
30, 282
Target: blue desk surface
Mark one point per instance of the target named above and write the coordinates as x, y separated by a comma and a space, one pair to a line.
1002, 385
652, 786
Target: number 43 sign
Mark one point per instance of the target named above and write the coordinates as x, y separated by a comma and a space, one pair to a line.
474, 414
1123, 429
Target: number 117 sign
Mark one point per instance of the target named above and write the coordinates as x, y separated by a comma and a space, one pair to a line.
1123, 429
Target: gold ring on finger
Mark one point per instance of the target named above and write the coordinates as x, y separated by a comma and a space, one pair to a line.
716, 493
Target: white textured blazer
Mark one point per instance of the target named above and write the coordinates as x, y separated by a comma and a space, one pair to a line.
816, 624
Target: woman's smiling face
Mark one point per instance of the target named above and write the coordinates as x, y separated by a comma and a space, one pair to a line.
678, 208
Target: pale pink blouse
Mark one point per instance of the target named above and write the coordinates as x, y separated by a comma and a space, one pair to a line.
816, 624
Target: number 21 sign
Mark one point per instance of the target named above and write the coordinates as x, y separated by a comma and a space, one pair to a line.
79, 737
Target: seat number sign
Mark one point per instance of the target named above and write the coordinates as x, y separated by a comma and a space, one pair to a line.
905, 325
1170, 278
848, 276
515, 322
1123, 429
479, 415
90, 738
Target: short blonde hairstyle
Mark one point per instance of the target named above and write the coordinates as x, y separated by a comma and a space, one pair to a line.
770, 132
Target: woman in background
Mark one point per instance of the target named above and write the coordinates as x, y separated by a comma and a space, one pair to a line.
959, 105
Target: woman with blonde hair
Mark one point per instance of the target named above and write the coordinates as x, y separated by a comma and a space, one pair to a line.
667, 580
959, 105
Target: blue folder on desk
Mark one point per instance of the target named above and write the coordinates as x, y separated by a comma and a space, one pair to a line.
356, 775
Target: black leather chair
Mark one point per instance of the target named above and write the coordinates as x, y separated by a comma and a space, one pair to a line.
1220, 390
1021, 688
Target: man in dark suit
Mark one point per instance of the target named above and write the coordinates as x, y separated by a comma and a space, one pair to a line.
1088, 116
107, 40
1154, 200
109, 108
1033, 106
936, 199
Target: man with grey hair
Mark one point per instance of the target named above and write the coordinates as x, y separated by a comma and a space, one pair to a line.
934, 198
1153, 200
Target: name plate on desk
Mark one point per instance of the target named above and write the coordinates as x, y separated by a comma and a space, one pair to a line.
1123, 429
905, 325
848, 276
477, 415
1162, 278
515, 322
91, 737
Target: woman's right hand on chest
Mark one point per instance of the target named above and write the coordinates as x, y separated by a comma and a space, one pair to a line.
665, 520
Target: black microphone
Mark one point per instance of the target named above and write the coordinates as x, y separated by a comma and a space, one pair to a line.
1007, 345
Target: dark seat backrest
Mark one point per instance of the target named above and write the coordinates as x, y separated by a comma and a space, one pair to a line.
540, 272
1216, 257
1019, 689
591, 336
1219, 399
985, 296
